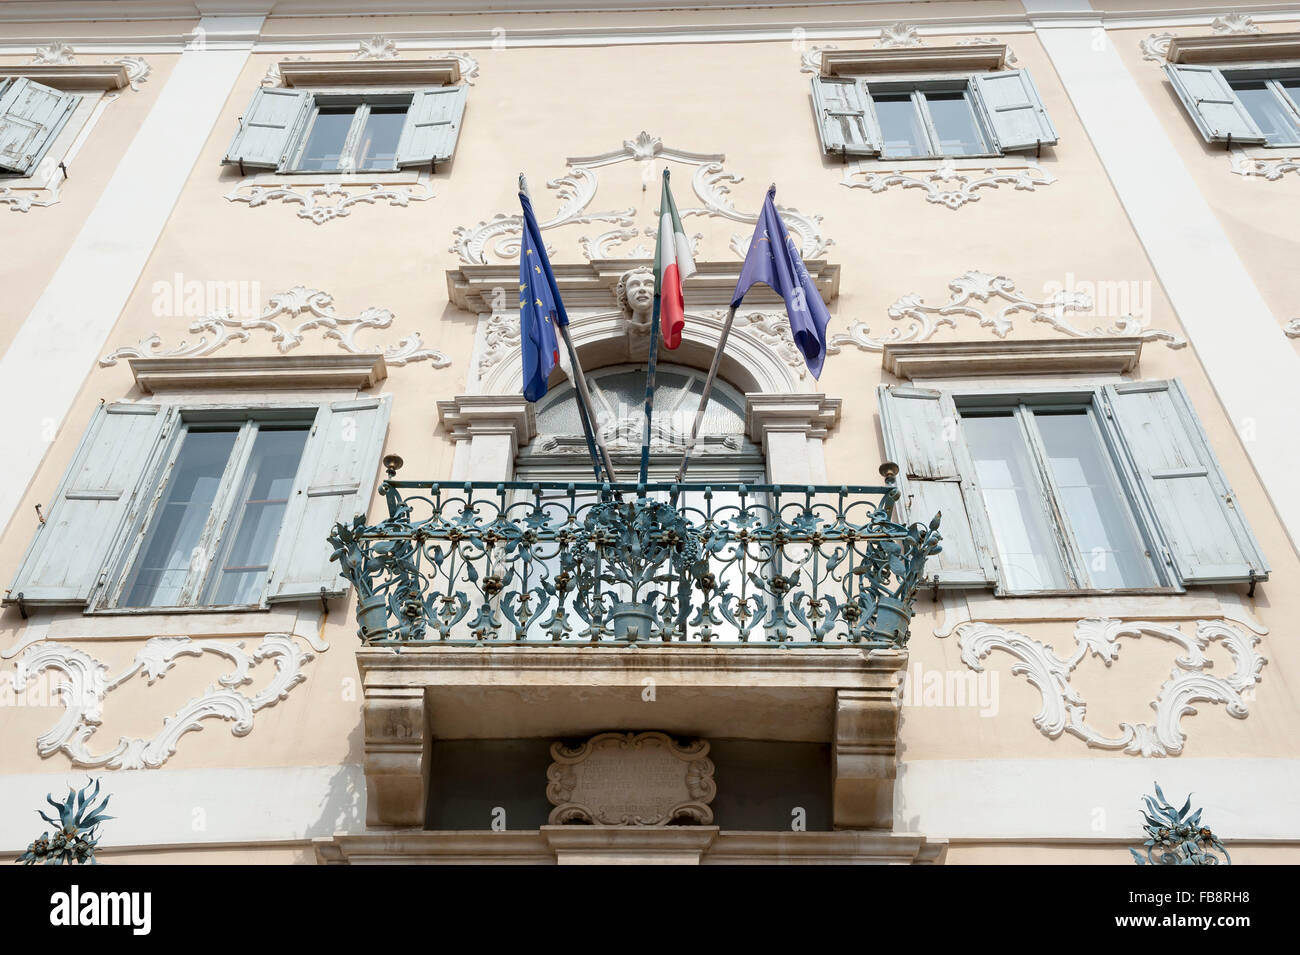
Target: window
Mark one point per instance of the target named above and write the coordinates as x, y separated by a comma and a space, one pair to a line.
177, 507
1246, 105
31, 117
225, 495
1098, 489
982, 114
297, 131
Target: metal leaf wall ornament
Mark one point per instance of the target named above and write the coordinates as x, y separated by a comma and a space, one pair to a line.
75, 835
1176, 836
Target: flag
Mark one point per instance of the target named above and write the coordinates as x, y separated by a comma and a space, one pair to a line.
673, 265
774, 260
540, 308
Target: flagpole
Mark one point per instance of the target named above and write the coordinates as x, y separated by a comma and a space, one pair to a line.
649, 394
585, 413
704, 395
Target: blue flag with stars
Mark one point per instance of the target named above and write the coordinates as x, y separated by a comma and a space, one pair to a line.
774, 260
540, 308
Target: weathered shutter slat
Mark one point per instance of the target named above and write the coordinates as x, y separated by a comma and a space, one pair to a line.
85, 519
340, 465
1215, 109
1015, 110
845, 121
432, 126
923, 436
1206, 534
31, 116
269, 128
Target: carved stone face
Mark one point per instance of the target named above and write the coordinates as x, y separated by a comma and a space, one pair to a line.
640, 291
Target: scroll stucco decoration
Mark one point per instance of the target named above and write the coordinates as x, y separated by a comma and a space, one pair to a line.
1063, 710
1155, 47
498, 237
976, 286
225, 328
946, 185
631, 779
1293, 328
87, 685
1252, 167
331, 200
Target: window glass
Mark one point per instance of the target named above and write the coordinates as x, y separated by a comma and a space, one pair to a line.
178, 523
1014, 499
1271, 115
264, 490
955, 124
1113, 553
329, 132
383, 129
900, 125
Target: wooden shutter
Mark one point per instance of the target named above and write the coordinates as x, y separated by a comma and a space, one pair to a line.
923, 437
1213, 105
31, 116
845, 120
1196, 512
269, 128
339, 467
84, 521
432, 126
1014, 110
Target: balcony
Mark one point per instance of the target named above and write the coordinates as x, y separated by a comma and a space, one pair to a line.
485, 564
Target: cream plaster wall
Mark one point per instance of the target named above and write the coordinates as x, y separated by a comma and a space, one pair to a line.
529, 109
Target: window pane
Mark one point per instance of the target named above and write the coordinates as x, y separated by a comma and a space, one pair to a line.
1292, 88
900, 125
1025, 539
1269, 113
1097, 511
263, 494
168, 550
378, 148
954, 122
325, 142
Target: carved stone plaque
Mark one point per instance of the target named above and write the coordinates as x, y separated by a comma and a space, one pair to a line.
631, 779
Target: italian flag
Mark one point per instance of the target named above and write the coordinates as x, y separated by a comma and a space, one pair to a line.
673, 265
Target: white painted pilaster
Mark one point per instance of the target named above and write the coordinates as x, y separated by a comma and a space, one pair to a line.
58, 343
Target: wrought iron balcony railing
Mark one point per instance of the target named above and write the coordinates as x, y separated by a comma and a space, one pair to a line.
543, 562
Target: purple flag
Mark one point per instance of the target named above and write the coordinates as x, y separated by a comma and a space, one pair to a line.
774, 260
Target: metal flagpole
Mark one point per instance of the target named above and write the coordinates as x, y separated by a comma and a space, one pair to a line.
650, 393
585, 413
704, 395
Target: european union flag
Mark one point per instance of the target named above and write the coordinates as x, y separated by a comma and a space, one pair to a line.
540, 308
774, 260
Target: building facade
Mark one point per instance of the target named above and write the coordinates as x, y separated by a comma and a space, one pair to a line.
257, 278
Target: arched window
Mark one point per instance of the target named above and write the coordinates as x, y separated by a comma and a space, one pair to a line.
722, 453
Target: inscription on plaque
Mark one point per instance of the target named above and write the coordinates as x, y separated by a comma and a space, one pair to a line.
631, 779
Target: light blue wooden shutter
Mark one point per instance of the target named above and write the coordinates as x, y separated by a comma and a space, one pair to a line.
1212, 104
923, 437
31, 116
846, 122
1197, 514
84, 521
1014, 109
432, 126
339, 468
269, 128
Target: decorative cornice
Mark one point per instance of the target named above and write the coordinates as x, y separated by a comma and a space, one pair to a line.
1073, 356
812, 414
465, 416
262, 372
1234, 48
910, 59
430, 72
73, 77
478, 288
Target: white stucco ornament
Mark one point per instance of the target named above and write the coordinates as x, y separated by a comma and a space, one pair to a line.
945, 184
312, 309
1155, 46
1063, 709
87, 686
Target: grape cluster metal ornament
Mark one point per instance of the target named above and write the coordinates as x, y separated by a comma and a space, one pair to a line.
1176, 836
75, 835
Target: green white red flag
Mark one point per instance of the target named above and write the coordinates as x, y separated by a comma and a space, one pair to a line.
673, 265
